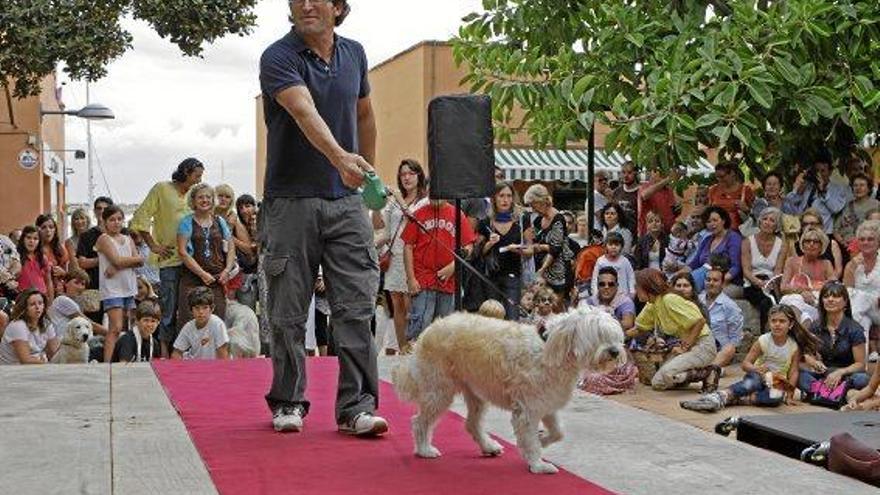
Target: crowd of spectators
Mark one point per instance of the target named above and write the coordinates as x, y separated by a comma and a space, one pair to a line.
677, 276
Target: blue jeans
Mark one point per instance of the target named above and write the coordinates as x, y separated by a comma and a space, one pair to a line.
169, 278
425, 307
752, 383
855, 381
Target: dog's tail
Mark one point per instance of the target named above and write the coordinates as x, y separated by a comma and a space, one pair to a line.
404, 376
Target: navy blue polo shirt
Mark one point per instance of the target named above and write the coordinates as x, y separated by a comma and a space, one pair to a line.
839, 353
295, 168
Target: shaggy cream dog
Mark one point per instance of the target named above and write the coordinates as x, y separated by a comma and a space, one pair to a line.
244, 330
504, 363
74, 347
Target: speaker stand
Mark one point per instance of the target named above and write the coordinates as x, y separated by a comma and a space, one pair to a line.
458, 268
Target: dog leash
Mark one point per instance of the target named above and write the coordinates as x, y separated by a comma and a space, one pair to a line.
485, 280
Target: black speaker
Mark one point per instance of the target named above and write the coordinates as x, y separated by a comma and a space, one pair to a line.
461, 150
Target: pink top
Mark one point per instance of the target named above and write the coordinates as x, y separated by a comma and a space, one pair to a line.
32, 275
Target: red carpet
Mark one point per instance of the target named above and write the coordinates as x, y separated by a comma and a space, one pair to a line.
222, 405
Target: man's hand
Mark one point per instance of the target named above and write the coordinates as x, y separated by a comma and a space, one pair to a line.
352, 168
163, 252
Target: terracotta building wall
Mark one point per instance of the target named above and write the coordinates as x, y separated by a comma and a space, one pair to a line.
32, 189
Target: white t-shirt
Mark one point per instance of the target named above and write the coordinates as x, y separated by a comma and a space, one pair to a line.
18, 330
61, 311
202, 343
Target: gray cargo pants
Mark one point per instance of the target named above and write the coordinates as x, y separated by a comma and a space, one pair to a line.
301, 234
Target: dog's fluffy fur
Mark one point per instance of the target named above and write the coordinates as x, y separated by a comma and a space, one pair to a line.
74, 343
506, 364
244, 330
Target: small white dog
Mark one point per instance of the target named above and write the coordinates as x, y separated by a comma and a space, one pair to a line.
244, 330
74, 343
507, 364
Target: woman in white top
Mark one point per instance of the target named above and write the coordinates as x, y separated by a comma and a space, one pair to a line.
411, 192
862, 277
117, 280
29, 338
763, 258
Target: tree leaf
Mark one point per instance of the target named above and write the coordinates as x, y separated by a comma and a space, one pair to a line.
761, 93
708, 119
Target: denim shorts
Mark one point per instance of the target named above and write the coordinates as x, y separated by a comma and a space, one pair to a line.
118, 302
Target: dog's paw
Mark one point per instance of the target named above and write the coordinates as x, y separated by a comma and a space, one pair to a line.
429, 452
492, 449
542, 467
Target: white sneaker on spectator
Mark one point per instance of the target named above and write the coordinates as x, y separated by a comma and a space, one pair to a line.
364, 424
288, 418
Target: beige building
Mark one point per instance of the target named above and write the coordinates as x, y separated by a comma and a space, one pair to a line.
32, 162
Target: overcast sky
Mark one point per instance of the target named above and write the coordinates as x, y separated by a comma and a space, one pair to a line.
169, 106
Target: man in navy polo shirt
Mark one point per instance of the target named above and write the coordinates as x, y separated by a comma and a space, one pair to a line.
321, 140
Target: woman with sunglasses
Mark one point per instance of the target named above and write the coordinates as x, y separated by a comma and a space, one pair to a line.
841, 356
804, 275
832, 252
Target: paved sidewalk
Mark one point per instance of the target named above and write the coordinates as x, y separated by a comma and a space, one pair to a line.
82, 429
634, 452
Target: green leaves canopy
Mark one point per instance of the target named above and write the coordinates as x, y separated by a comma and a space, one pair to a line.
769, 80
36, 35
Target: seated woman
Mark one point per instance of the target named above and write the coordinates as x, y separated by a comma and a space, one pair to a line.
811, 218
862, 277
804, 275
773, 357
866, 399
30, 337
763, 257
675, 316
841, 355
722, 240
650, 249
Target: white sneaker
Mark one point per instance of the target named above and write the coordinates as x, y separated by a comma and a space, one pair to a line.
364, 424
288, 419
873, 357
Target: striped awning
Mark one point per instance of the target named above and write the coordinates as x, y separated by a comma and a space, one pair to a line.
568, 165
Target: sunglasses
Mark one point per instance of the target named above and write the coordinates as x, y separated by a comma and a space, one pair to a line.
545, 301
812, 241
607, 284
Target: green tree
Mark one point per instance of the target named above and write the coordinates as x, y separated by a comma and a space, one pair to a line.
86, 35
767, 80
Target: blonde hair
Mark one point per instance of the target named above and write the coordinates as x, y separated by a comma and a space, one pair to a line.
492, 309
226, 190
195, 190
812, 233
537, 192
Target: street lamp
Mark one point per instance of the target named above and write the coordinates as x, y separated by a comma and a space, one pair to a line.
92, 111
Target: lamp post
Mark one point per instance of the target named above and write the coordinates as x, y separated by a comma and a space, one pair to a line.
90, 112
